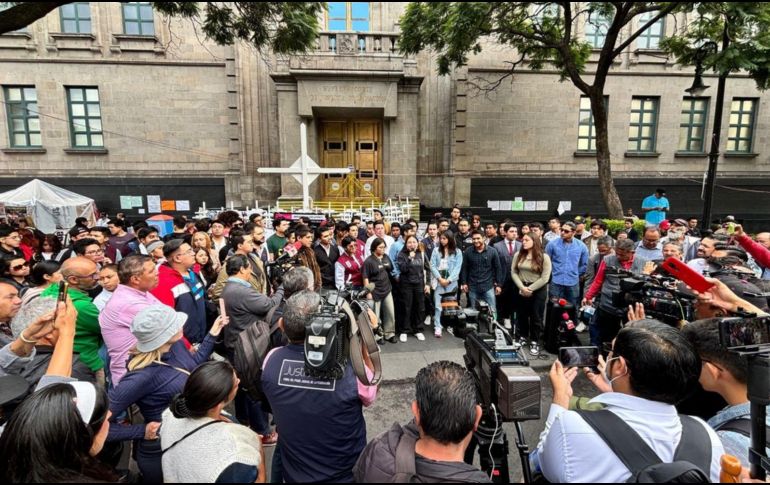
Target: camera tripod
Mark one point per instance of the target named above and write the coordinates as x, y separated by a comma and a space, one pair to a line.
492, 442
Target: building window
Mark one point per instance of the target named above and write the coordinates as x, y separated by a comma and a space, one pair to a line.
23, 118
644, 120
348, 16
6, 6
741, 134
75, 18
650, 38
85, 117
547, 11
596, 30
138, 18
586, 126
692, 126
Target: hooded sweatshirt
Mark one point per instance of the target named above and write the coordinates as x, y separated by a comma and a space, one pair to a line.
184, 295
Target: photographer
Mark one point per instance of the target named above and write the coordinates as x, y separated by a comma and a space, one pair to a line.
725, 373
650, 368
320, 421
613, 268
446, 413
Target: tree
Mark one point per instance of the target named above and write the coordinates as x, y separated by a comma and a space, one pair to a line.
540, 34
283, 27
726, 38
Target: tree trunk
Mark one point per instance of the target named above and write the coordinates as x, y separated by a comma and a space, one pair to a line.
603, 157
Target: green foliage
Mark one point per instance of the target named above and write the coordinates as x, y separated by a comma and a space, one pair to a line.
282, 27
614, 226
746, 25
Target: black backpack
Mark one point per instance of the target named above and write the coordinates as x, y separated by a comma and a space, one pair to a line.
692, 460
249, 352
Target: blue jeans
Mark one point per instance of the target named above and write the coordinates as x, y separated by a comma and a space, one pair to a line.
452, 288
569, 293
250, 411
488, 296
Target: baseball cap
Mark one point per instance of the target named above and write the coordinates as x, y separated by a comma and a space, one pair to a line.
155, 325
155, 245
77, 231
681, 222
665, 225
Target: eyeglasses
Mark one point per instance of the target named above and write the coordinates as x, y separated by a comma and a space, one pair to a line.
566, 231
94, 253
20, 267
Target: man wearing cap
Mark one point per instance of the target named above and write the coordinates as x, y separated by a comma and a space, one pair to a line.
76, 234
679, 233
180, 288
155, 251
655, 207
82, 275
138, 275
10, 240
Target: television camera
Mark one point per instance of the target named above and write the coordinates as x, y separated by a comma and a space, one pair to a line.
660, 296
508, 389
338, 332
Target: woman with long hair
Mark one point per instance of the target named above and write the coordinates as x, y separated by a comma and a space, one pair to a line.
204, 267
15, 272
48, 248
42, 275
377, 269
201, 240
196, 425
445, 265
156, 373
55, 435
348, 267
531, 270
413, 282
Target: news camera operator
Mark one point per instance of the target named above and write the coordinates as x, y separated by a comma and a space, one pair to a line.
650, 369
608, 318
446, 413
320, 421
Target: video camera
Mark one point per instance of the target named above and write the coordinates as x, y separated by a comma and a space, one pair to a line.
463, 321
750, 338
328, 332
659, 295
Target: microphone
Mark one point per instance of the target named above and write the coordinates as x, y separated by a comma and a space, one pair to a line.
289, 252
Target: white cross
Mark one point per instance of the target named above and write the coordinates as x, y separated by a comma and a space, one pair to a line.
305, 170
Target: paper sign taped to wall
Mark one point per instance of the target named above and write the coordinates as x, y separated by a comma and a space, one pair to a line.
183, 205
168, 205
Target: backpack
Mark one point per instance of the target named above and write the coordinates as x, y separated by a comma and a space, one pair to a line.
249, 352
741, 426
691, 463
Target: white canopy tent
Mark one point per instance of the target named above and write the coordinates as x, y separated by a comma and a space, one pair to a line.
52, 208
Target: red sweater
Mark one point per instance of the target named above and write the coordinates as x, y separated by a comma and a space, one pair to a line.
760, 253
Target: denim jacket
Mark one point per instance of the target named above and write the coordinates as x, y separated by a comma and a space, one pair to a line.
735, 443
455, 266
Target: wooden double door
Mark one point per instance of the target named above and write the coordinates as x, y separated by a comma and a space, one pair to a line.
356, 144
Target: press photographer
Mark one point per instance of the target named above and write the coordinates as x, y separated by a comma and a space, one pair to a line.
320, 421
651, 367
609, 317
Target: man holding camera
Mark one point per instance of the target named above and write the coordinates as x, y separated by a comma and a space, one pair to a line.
432, 447
651, 367
320, 421
608, 318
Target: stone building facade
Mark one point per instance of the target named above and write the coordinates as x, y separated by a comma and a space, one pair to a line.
175, 107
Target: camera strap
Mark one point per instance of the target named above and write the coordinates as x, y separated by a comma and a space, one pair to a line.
362, 335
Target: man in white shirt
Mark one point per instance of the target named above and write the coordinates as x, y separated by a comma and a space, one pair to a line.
651, 368
379, 232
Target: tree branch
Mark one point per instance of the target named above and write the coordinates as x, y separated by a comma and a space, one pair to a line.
25, 13
661, 13
566, 53
490, 86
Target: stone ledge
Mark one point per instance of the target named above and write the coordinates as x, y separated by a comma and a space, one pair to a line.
24, 150
741, 155
86, 151
641, 155
690, 155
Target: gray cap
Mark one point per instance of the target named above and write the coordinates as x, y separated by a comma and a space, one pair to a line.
155, 325
154, 245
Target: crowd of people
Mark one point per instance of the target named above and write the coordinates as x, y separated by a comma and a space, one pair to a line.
142, 355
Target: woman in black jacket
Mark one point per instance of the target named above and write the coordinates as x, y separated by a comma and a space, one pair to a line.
414, 267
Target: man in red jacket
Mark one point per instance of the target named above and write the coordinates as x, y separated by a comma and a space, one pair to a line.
759, 250
180, 288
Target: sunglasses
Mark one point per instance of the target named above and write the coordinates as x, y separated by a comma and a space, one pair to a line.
566, 231
20, 267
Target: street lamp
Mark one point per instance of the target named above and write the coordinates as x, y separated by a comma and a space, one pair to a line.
697, 89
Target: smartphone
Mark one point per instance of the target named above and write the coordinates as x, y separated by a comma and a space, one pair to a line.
62, 296
579, 356
687, 275
222, 307
744, 332
730, 228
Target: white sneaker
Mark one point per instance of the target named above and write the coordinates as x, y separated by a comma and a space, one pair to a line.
420, 337
581, 327
437, 332
402, 338
534, 349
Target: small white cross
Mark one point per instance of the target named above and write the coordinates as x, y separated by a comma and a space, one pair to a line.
304, 169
